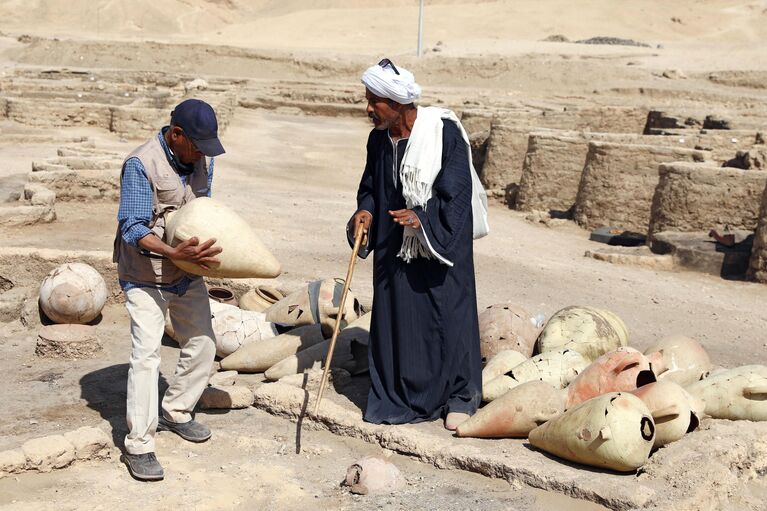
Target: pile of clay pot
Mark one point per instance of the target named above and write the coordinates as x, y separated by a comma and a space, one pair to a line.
278, 334
270, 332
576, 389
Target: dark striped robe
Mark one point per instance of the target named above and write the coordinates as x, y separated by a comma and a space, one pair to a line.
424, 339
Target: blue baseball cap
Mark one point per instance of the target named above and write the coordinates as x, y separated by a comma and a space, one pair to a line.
198, 120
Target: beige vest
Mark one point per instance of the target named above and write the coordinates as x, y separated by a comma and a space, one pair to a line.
168, 193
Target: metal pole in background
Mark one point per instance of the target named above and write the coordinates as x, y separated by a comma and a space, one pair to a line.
420, 30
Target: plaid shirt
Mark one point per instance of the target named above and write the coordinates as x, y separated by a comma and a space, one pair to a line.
136, 203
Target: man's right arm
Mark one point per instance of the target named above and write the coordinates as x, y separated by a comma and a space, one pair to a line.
135, 210
365, 207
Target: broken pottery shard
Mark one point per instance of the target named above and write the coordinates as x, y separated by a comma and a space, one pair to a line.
515, 413
89, 443
735, 394
679, 359
243, 256
12, 462
590, 331
73, 293
258, 357
506, 326
49, 452
260, 298
67, 342
315, 303
350, 353
503, 362
227, 397
557, 368
673, 410
624, 369
372, 476
614, 431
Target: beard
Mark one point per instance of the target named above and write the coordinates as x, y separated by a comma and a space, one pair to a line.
377, 122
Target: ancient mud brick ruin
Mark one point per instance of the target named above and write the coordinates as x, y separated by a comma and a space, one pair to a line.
554, 163
618, 183
506, 148
551, 172
698, 197
758, 265
130, 104
79, 173
36, 205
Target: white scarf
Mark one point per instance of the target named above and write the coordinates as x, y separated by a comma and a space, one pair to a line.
421, 164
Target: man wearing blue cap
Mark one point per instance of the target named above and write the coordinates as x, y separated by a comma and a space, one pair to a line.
170, 169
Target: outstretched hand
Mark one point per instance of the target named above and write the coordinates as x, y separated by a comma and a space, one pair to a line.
406, 217
201, 254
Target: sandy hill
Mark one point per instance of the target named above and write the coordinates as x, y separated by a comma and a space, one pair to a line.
364, 25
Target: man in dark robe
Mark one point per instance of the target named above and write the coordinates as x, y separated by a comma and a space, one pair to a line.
424, 349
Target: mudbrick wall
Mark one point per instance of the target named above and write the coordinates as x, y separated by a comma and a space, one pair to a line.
506, 148
698, 197
758, 265
618, 183
554, 162
551, 172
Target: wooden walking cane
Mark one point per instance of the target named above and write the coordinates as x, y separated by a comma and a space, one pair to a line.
358, 237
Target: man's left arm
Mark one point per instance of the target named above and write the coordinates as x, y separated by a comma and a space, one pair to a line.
449, 209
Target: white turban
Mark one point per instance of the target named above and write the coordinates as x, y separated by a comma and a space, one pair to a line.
385, 83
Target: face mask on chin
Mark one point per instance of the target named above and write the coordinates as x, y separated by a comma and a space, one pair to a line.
182, 168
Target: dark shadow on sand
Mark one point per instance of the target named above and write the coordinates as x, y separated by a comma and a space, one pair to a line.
579, 466
105, 390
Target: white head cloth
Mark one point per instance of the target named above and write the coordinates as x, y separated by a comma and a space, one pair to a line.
385, 83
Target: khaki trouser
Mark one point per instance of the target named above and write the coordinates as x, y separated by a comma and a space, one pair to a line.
190, 315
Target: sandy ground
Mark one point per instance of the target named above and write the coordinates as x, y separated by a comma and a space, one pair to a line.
250, 463
294, 178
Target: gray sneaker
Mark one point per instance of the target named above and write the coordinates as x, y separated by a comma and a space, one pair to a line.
192, 431
144, 467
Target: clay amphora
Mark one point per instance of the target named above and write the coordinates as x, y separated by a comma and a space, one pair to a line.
350, 352
673, 410
590, 331
73, 293
258, 357
260, 298
315, 303
557, 368
243, 256
232, 327
679, 359
222, 295
735, 394
624, 369
516, 413
506, 326
614, 431
503, 362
